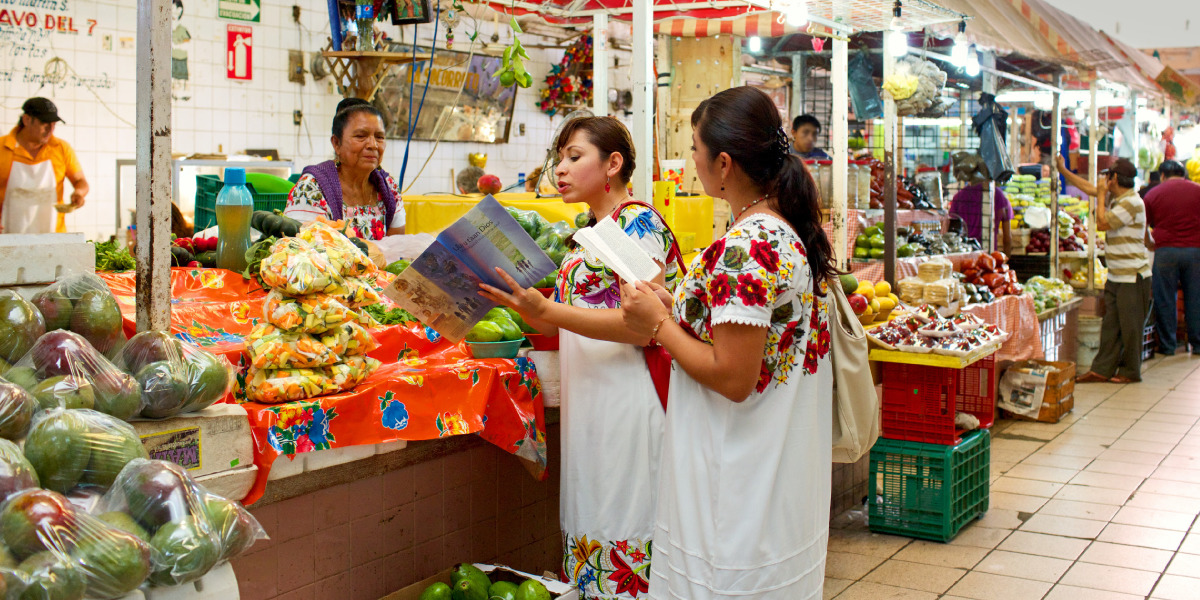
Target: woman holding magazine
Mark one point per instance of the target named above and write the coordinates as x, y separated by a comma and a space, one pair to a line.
744, 492
612, 418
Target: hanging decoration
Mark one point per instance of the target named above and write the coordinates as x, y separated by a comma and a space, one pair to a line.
569, 83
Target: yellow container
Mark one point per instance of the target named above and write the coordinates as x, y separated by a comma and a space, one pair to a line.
434, 212
685, 214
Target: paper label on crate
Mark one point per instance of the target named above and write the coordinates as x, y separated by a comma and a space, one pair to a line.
180, 446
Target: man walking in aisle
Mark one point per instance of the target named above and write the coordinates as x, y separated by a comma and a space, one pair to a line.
1127, 291
1173, 213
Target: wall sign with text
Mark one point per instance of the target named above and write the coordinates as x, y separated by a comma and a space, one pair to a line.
238, 52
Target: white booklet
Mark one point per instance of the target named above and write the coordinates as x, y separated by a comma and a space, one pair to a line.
609, 243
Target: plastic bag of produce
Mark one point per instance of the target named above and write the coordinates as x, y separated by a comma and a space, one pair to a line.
273, 386
65, 551
359, 292
16, 412
12, 581
341, 252
62, 369
270, 348
174, 376
16, 474
351, 339
190, 530
316, 313
83, 303
21, 324
296, 268
80, 449
863, 91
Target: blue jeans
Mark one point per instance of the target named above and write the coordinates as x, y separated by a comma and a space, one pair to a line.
1175, 268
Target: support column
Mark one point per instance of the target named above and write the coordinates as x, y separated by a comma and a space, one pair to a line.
600, 60
154, 165
644, 85
1093, 176
798, 68
889, 172
839, 134
1055, 178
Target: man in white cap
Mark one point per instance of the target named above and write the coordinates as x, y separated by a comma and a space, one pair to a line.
33, 166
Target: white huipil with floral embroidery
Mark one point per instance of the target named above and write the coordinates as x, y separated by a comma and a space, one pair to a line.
743, 501
612, 424
306, 202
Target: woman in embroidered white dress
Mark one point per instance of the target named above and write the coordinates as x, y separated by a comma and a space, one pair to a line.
611, 416
352, 187
744, 493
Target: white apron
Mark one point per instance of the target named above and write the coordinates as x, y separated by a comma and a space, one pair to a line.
612, 424
29, 198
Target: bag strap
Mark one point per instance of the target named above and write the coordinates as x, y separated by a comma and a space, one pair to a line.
673, 254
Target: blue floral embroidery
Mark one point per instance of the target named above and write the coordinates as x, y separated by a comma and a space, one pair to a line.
642, 225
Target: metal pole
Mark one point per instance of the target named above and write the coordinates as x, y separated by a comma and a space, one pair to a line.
987, 205
889, 172
644, 86
839, 132
600, 64
1056, 142
154, 165
1135, 143
1093, 176
797, 88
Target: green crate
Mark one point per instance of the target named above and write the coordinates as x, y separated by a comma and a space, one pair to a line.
208, 186
928, 490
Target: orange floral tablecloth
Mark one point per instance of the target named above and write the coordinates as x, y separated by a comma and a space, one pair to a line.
427, 388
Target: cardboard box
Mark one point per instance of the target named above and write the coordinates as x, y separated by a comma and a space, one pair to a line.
1059, 397
557, 589
205, 442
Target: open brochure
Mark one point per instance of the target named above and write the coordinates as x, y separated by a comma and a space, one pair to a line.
609, 243
441, 287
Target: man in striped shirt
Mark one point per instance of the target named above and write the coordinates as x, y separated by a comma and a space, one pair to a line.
1127, 292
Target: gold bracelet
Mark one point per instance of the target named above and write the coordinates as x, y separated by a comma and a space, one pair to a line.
654, 334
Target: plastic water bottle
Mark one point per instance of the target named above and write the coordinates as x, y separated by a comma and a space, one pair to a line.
234, 207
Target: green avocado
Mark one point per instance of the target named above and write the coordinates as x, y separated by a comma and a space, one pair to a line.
126, 523
503, 590
469, 572
532, 590
188, 550
59, 450
51, 578
862, 252
25, 377
65, 391
116, 563
112, 448
877, 252
98, 318
437, 591
581, 220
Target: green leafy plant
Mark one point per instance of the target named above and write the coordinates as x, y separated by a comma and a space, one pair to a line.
512, 69
111, 256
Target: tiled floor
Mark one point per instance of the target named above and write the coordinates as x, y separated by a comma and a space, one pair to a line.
1102, 505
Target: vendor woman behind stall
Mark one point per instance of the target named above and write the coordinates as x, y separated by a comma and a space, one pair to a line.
352, 186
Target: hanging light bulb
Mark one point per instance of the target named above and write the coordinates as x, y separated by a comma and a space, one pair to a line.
797, 13
899, 42
897, 39
972, 68
958, 56
755, 44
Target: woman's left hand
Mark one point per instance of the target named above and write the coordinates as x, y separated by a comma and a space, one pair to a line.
527, 301
641, 307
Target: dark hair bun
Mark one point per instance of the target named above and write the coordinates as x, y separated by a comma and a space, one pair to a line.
348, 102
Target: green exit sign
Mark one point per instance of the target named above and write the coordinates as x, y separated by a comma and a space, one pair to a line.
240, 10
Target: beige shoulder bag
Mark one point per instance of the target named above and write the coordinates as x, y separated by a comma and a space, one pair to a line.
855, 403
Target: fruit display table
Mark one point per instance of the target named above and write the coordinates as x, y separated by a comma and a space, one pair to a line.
427, 389
1017, 316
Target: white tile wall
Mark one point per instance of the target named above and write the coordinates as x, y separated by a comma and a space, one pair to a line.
233, 116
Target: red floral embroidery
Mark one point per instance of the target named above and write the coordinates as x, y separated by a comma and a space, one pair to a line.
799, 246
751, 290
623, 546
713, 253
627, 581
589, 283
789, 337
637, 556
810, 359
823, 340
764, 377
765, 255
377, 231
719, 290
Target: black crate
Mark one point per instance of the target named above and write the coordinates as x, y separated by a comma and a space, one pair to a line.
1029, 265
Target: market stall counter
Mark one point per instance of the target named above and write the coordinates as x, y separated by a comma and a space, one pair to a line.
426, 388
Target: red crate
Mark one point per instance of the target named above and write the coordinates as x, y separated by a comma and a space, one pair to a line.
919, 402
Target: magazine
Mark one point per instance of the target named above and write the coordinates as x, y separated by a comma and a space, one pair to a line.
441, 287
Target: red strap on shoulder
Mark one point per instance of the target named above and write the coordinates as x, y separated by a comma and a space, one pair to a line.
674, 253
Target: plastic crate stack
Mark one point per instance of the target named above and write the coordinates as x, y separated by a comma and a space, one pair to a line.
928, 476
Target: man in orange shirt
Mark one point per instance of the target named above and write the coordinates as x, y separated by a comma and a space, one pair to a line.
33, 165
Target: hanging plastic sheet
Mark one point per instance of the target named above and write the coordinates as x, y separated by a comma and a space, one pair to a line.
991, 124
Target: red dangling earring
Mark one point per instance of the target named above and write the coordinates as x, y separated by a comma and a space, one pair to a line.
607, 188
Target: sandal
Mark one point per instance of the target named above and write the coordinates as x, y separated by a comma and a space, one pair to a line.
1119, 379
1091, 377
